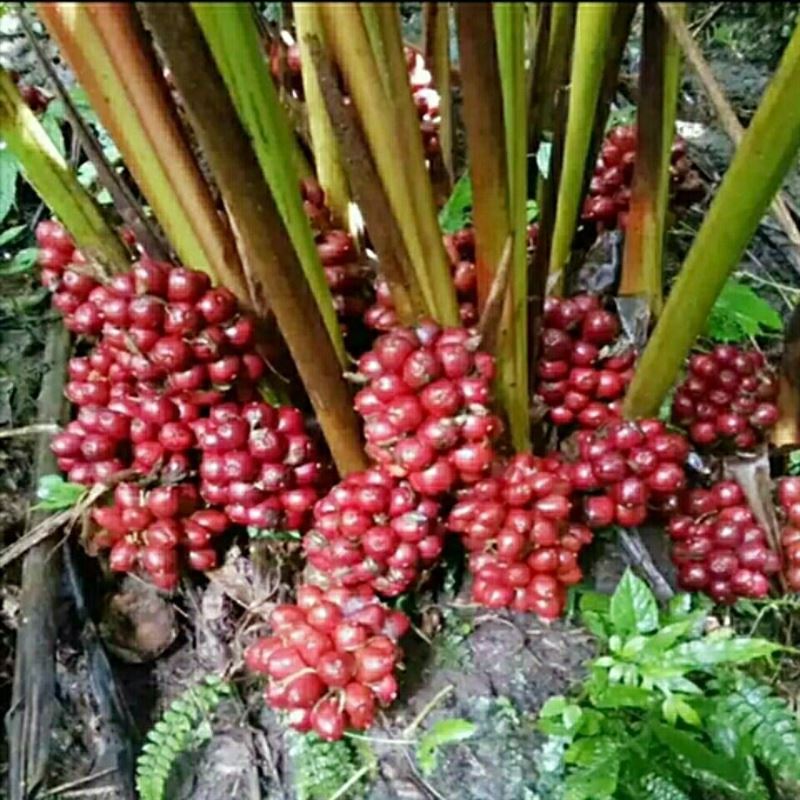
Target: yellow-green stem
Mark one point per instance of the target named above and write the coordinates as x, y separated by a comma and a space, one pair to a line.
327, 156
54, 181
513, 345
232, 35
111, 57
766, 153
592, 31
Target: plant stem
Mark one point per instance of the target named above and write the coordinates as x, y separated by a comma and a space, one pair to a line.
327, 157
232, 36
592, 32
483, 117
274, 274
54, 181
370, 195
112, 58
767, 151
391, 127
513, 339
658, 92
436, 38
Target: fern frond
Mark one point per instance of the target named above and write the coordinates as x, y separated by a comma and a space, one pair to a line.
768, 722
183, 726
321, 768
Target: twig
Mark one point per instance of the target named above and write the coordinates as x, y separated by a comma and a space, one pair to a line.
697, 26
30, 430
350, 782
78, 782
493, 310
637, 555
417, 721
727, 117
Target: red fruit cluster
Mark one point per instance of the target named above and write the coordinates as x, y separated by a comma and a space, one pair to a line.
350, 282
425, 406
330, 660
373, 530
728, 398
789, 499
579, 379
158, 531
718, 547
519, 530
259, 464
627, 469
609, 197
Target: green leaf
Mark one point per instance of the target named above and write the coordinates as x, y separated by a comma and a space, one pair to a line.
457, 211
553, 707
23, 261
633, 607
739, 313
709, 652
9, 169
598, 773
9, 234
543, 157
55, 493
52, 124
620, 696
532, 211
445, 731
700, 760
675, 707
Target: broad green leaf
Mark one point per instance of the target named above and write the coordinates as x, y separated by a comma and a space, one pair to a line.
675, 707
710, 652
663, 639
740, 313
55, 493
22, 261
532, 211
9, 234
445, 731
457, 211
633, 607
553, 707
9, 169
619, 696
597, 777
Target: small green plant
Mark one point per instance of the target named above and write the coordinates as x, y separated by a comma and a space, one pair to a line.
56, 494
184, 726
740, 314
441, 733
666, 712
322, 769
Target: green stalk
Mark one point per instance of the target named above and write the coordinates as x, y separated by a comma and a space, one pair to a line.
232, 35
486, 142
113, 60
274, 274
658, 93
592, 31
327, 157
513, 344
391, 126
54, 181
766, 153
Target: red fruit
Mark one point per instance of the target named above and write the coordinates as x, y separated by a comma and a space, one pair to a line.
359, 703
217, 305
123, 556
599, 511
186, 285
667, 478
327, 720
600, 327
257, 654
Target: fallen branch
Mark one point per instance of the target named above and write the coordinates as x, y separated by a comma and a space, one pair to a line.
33, 701
637, 555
